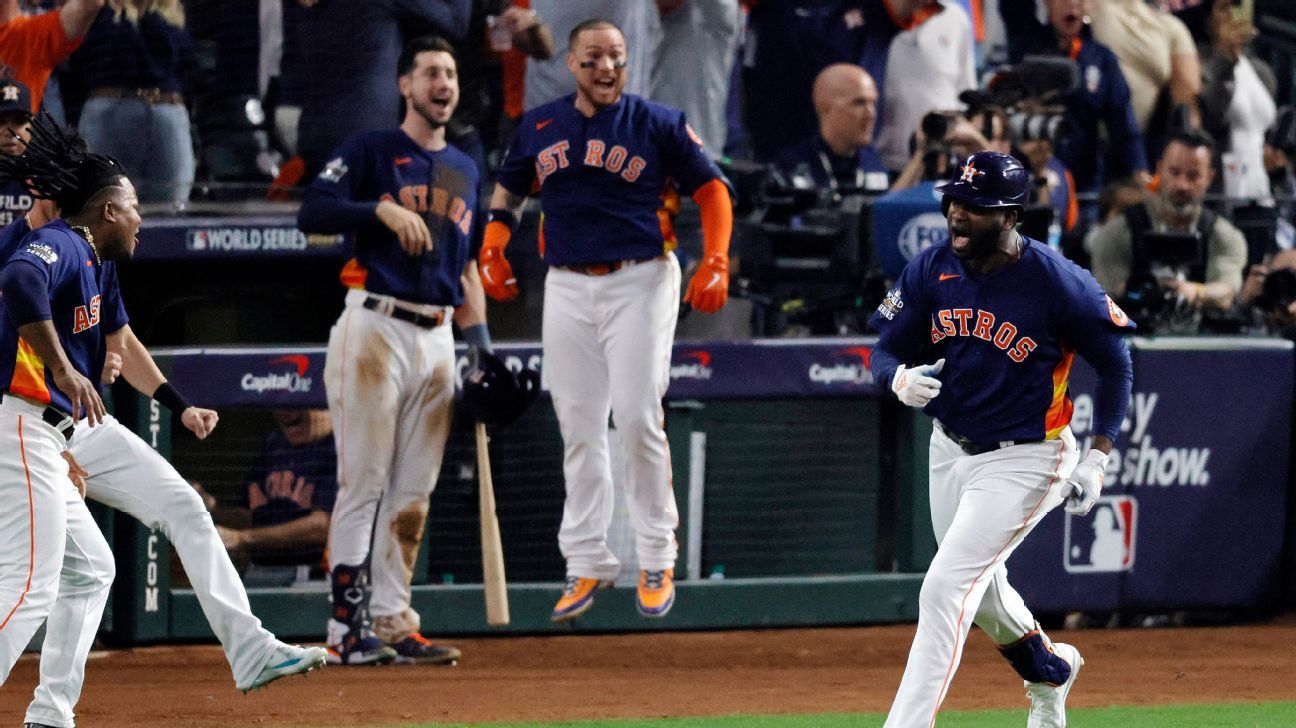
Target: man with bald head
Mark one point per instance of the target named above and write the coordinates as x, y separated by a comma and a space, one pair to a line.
841, 155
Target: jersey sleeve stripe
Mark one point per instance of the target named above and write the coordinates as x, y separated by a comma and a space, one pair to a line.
1059, 411
354, 274
29, 375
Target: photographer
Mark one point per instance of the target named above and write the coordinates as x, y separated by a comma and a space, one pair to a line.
1208, 275
1270, 291
945, 138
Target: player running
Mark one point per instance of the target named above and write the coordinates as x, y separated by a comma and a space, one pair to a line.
601, 160
123, 472
1001, 317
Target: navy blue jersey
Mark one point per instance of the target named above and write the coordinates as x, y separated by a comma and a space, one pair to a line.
15, 201
85, 302
601, 178
813, 156
288, 482
388, 165
1009, 339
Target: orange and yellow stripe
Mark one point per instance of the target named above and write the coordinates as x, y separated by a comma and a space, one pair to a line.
29, 375
1059, 411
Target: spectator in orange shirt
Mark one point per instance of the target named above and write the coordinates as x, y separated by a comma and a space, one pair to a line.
31, 46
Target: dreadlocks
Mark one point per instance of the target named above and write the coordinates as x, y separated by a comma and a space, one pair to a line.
56, 166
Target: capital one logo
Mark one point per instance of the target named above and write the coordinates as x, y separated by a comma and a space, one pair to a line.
692, 365
1104, 540
852, 367
293, 380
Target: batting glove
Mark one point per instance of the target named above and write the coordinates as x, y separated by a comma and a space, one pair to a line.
708, 289
1086, 483
919, 385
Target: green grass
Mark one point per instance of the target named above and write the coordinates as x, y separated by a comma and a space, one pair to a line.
1235, 715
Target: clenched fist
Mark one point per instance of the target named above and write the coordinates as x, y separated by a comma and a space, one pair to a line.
919, 385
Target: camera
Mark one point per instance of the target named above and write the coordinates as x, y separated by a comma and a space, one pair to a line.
1162, 256
1279, 291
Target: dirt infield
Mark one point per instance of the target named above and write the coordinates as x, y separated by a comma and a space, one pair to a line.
671, 674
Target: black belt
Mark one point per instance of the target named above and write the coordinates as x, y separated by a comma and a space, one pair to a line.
421, 320
981, 448
606, 267
59, 421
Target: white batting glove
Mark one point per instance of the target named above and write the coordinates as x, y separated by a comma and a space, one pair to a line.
1086, 483
917, 386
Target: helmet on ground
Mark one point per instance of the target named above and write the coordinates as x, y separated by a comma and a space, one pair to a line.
991, 180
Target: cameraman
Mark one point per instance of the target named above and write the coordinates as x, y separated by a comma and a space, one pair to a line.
1185, 171
945, 138
1270, 290
841, 155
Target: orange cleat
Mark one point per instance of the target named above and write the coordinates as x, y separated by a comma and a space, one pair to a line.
656, 592
577, 598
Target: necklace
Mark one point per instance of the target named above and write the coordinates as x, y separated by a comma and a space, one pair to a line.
84, 232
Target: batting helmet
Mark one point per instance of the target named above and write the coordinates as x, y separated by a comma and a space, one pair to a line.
496, 396
991, 180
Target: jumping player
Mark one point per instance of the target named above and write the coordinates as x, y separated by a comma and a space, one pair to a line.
1002, 317
601, 160
412, 202
126, 474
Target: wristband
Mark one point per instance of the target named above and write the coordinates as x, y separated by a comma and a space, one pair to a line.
501, 215
167, 396
478, 336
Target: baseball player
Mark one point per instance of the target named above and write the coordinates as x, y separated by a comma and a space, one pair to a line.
1002, 317
123, 472
601, 160
412, 203
15, 120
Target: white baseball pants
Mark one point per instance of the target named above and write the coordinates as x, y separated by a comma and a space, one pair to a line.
982, 507
390, 392
128, 475
607, 346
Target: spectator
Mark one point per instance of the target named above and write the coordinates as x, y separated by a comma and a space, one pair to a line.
350, 91
133, 62
496, 27
929, 64
31, 46
1279, 150
693, 63
549, 79
1101, 97
283, 518
15, 128
841, 154
1215, 277
788, 42
1159, 62
1237, 103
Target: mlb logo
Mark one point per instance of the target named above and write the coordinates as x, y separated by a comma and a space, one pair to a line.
1104, 540
197, 239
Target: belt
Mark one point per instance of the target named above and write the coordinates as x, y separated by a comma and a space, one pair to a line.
387, 308
52, 416
981, 448
147, 95
606, 268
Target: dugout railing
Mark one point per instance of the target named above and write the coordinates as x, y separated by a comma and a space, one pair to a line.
801, 492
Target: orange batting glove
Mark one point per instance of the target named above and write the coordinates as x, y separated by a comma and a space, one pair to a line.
496, 274
708, 289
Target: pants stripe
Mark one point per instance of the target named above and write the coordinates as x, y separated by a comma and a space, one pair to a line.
31, 528
958, 626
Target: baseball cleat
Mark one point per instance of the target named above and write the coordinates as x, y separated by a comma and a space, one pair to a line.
360, 649
656, 593
1048, 702
415, 649
577, 598
288, 660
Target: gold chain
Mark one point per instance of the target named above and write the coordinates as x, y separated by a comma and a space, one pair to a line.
84, 232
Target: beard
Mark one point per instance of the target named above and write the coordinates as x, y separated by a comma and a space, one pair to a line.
1184, 210
431, 113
